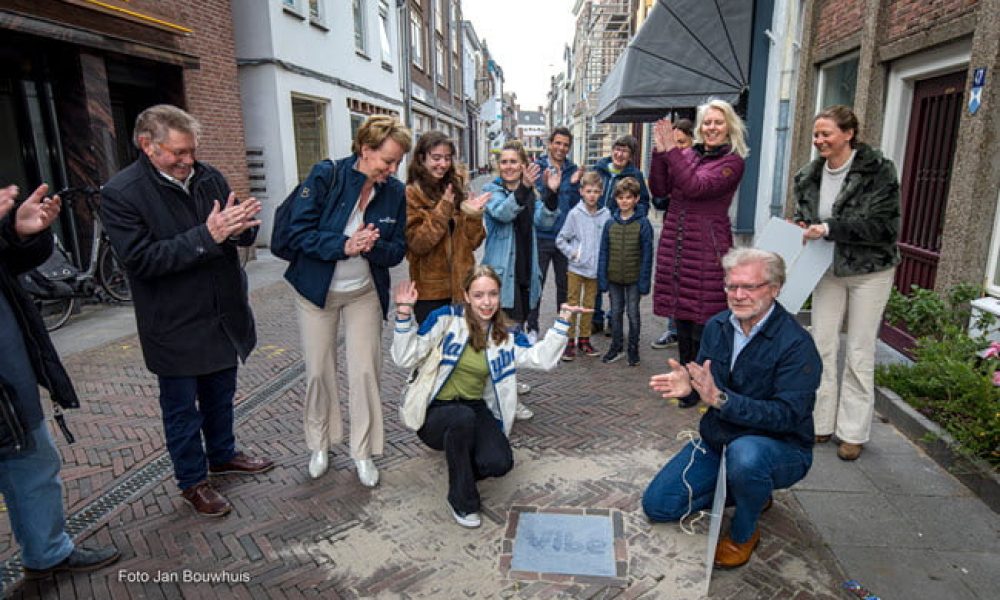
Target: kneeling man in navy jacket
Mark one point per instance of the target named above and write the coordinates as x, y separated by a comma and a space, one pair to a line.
757, 370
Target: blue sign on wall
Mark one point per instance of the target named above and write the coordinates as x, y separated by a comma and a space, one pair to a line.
976, 93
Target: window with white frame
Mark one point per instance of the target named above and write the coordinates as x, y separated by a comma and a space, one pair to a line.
439, 65
383, 34
290, 4
456, 25
360, 41
316, 10
440, 15
837, 83
417, 39
993, 268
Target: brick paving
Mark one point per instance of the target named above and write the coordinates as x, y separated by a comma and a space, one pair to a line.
597, 437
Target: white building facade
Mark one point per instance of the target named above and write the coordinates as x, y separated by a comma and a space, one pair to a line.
310, 72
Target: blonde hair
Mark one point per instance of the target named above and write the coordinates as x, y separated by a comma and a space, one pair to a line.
592, 178
377, 129
515, 145
737, 130
156, 121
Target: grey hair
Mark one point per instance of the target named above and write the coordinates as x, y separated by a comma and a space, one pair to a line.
156, 121
774, 265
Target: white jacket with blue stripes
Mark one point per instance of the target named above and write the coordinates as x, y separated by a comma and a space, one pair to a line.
447, 326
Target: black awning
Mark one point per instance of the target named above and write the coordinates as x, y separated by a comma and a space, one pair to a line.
686, 52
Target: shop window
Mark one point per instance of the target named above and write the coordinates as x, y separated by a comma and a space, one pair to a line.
309, 124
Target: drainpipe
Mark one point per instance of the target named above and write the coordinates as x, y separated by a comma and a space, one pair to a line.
407, 60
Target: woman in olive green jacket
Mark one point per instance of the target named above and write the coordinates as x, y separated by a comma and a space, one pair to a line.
850, 196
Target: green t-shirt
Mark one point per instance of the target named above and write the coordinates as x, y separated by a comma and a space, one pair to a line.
468, 378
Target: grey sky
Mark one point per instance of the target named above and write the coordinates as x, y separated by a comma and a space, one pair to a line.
526, 38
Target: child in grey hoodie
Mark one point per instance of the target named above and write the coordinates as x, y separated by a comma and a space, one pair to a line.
580, 241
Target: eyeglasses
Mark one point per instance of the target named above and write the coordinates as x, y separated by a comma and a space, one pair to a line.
732, 288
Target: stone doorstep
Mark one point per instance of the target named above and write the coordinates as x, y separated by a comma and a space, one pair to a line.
974, 473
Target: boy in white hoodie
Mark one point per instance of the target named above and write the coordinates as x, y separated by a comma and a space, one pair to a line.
580, 241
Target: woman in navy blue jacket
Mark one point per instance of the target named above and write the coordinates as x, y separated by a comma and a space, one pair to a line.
347, 228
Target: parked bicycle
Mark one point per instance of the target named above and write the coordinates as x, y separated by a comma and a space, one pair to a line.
59, 284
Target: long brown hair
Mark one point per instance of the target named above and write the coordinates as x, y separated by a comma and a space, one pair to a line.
417, 172
498, 330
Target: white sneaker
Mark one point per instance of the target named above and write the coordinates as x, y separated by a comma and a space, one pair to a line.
318, 464
522, 412
470, 520
367, 473
523, 388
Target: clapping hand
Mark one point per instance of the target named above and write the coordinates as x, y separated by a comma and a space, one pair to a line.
703, 382
448, 195
553, 177
477, 203
362, 241
575, 177
8, 195
663, 135
529, 175
35, 214
233, 219
675, 384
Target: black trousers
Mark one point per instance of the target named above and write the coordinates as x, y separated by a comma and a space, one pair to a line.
474, 446
549, 253
422, 308
522, 303
688, 340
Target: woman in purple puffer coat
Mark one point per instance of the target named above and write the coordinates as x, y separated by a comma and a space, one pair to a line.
701, 182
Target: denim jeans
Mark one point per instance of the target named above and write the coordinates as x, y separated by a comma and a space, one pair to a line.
32, 491
624, 298
474, 446
755, 466
195, 408
548, 252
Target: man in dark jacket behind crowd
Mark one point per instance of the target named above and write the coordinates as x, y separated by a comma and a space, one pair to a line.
559, 177
29, 460
758, 371
166, 219
614, 168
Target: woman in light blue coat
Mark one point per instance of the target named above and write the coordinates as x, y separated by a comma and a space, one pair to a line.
512, 213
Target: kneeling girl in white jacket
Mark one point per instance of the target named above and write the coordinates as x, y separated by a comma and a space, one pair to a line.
475, 393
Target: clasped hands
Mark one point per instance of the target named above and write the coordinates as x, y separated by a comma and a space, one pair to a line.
35, 214
233, 219
681, 380
363, 240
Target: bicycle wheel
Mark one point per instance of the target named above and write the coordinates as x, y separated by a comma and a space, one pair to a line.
56, 312
111, 275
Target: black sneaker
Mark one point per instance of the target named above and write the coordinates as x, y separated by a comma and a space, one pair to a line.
79, 560
597, 327
612, 356
633, 361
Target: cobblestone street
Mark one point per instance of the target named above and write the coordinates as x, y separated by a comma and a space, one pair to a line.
597, 437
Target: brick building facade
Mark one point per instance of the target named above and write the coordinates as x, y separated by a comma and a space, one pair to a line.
74, 74
911, 69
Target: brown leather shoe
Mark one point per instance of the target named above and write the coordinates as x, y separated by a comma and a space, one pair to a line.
822, 439
206, 501
729, 554
243, 465
849, 451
